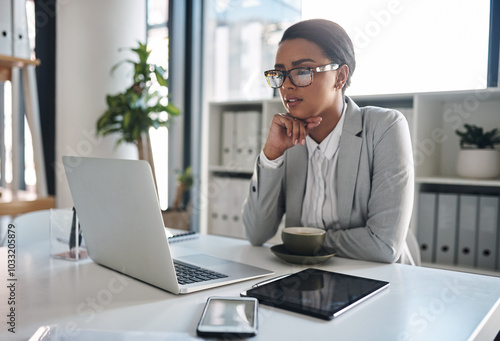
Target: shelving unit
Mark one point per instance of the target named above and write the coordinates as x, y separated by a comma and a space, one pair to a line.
228, 179
12, 200
433, 119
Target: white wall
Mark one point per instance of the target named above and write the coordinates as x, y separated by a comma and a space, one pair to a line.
89, 34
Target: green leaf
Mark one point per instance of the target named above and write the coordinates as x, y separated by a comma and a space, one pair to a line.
159, 72
172, 110
126, 119
475, 136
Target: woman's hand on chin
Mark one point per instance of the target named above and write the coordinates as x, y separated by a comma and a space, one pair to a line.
287, 131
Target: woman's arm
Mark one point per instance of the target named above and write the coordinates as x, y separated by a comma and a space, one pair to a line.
390, 203
265, 206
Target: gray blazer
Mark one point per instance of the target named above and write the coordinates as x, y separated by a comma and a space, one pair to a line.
374, 189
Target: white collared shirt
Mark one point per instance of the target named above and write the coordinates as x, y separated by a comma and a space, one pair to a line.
319, 208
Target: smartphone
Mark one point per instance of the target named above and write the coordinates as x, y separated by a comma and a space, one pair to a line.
229, 316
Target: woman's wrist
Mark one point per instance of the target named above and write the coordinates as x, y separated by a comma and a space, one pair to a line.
265, 163
272, 153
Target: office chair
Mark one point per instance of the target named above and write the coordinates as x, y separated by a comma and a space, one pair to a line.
39, 221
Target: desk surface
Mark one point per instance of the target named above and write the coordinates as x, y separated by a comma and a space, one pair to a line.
420, 304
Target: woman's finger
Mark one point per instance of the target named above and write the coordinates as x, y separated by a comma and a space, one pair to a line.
284, 121
296, 126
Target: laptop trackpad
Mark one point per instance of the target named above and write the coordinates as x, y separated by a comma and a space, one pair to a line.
204, 260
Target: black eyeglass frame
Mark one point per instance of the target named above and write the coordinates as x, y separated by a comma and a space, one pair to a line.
312, 70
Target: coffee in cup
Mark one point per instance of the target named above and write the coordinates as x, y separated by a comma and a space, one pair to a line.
303, 241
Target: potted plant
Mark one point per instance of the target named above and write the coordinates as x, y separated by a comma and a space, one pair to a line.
144, 104
179, 215
478, 157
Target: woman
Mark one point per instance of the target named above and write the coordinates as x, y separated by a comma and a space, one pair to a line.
326, 162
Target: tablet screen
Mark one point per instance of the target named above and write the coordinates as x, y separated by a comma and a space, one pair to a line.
318, 293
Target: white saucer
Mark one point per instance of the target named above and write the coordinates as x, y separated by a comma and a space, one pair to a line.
281, 252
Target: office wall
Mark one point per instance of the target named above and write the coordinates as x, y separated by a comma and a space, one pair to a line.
89, 35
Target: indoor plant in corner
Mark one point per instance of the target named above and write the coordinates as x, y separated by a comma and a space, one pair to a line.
179, 216
478, 157
141, 106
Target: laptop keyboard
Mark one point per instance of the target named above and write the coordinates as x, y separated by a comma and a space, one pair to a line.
187, 274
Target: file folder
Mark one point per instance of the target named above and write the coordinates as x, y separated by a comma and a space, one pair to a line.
241, 139
228, 139
217, 198
239, 190
20, 40
5, 27
247, 138
467, 230
426, 225
446, 228
487, 232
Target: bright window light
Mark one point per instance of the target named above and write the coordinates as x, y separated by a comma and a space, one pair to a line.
412, 46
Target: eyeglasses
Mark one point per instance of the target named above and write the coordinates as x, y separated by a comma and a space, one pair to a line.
301, 76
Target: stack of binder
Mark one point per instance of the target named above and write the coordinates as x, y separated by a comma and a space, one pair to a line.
240, 139
225, 206
14, 40
459, 229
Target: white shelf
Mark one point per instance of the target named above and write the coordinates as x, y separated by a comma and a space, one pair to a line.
229, 170
433, 119
445, 180
462, 269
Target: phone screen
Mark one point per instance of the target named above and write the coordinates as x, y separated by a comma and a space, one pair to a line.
229, 316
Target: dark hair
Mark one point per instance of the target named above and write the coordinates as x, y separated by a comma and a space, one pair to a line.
330, 37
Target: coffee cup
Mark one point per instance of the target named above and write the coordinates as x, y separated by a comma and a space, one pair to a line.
303, 241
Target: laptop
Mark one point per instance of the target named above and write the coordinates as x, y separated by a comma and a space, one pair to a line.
123, 228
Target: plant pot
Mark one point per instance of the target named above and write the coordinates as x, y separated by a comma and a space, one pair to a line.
478, 163
177, 219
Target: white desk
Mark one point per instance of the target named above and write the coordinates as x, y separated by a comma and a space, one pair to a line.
420, 304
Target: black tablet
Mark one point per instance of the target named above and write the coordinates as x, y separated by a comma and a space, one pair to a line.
315, 292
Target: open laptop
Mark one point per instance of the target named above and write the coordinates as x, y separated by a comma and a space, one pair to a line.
123, 228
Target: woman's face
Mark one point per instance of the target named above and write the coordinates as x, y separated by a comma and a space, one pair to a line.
317, 99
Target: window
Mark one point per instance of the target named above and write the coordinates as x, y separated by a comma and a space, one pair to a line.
157, 19
412, 46
241, 41
401, 46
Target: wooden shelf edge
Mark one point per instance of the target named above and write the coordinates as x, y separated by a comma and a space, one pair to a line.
11, 61
25, 205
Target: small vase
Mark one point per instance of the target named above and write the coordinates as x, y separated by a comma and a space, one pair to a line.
478, 163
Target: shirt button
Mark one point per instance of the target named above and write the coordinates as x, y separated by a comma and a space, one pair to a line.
254, 189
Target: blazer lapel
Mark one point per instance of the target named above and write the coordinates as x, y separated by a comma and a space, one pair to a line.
296, 174
349, 154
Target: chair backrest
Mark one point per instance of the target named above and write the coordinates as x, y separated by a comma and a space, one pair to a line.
37, 221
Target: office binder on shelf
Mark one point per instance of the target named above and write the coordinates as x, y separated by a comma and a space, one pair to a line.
467, 229
241, 139
247, 139
6, 27
446, 228
487, 232
427, 203
240, 191
233, 203
215, 206
20, 39
225, 204
228, 136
